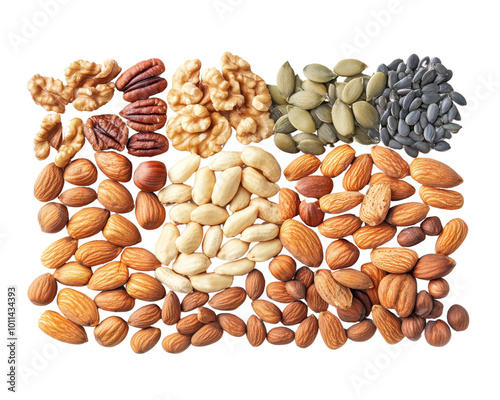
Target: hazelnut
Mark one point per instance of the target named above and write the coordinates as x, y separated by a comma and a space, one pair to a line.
423, 304
413, 326
53, 217
458, 318
310, 213
363, 298
437, 333
150, 176
305, 275
437, 310
282, 267
432, 226
438, 288
409, 237
296, 289
354, 313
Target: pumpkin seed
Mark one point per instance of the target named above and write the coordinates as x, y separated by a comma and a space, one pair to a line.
344, 139
339, 86
285, 143
376, 85
318, 73
298, 84
305, 136
285, 80
352, 90
283, 125
361, 136
326, 133
283, 109
332, 93
343, 118
276, 95
311, 147
314, 87
306, 99
349, 67
324, 112
301, 119
366, 115
314, 115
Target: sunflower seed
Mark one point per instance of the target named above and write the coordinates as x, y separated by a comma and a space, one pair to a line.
404, 83
428, 77
412, 61
423, 147
385, 136
429, 98
415, 104
306, 99
349, 67
445, 105
411, 151
283, 125
453, 128
403, 139
403, 128
285, 80
392, 79
343, 119
407, 100
424, 62
458, 98
311, 147
440, 69
432, 112
385, 116
418, 75
413, 117
302, 120
430, 87
442, 146
285, 143
318, 73
393, 144
393, 65
445, 88
374, 135
430, 133
383, 68
416, 137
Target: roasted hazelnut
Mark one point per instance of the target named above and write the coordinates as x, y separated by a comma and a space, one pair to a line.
438, 288
311, 213
458, 318
432, 226
354, 313
296, 289
413, 326
363, 298
412, 236
423, 304
305, 275
150, 176
437, 310
437, 333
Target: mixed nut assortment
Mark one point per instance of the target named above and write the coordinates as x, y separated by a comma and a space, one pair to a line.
225, 209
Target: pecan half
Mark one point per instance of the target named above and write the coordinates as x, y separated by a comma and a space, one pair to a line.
142, 80
146, 144
106, 131
146, 115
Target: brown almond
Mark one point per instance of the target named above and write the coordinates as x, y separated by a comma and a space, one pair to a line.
60, 251
149, 212
189, 324
451, 237
430, 172
171, 310
73, 274
361, 331
80, 172
314, 186
255, 284
399, 292
116, 300
288, 203
145, 287
394, 259
228, 299
277, 291
145, 316
352, 278
302, 166
338, 203
145, 339
43, 290
115, 197
341, 226
49, 183
369, 237
87, 222
78, 197
441, 198
108, 277
256, 331
337, 160
267, 311
341, 254
376, 275
306, 332
407, 214
194, 300
115, 166
206, 315
302, 243
376, 204
111, 331
331, 330
314, 300
97, 252
207, 335
283, 267
399, 189
52, 217
331, 291
78, 307
139, 259
280, 336
120, 231
390, 162
62, 329
232, 324
359, 173
294, 313
176, 343
388, 324
433, 266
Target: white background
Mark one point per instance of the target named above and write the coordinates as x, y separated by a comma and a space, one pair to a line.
266, 33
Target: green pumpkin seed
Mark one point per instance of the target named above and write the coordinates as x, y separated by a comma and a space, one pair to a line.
376, 85
361, 136
283, 125
339, 88
342, 118
326, 134
352, 90
311, 147
323, 112
275, 112
306, 99
285, 143
349, 67
332, 93
366, 115
285, 80
305, 136
298, 84
276, 95
318, 73
283, 109
314, 87
314, 115
301, 119
344, 139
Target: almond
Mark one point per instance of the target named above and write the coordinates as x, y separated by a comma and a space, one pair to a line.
399, 189
311, 213
296, 289
43, 290
280, 336
341, 226
145, 339
97, 252
150, 176
369, 237
150, 213
73, 274
115, 166
407, 214
228, 299
354, 313
49, 183
390, 162
294, 313
144, 287
314, 300
87, 222
116, 300
376, 275
60, 328
359, 173
120, 231
283, 267
352, 278
331, 330
433, 266
430, 172
306, 332
52, 217
78, 307
111, 331
206, 315
388, 324
394, 259
78, 197
314, 186
60, 251
207, 335
399, 292
337, 203
189, 325
267, 311
305, 275
331, 291
81, 172
302, 166
109, 276
362, 331
115, 197
139, 259
277, 291
441, 198
176, 343
451, 237
256, 331
255, 284
145, 316
232, 324
341, 254
337, 160
194, 300
171, 310
376, 204
302, 243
